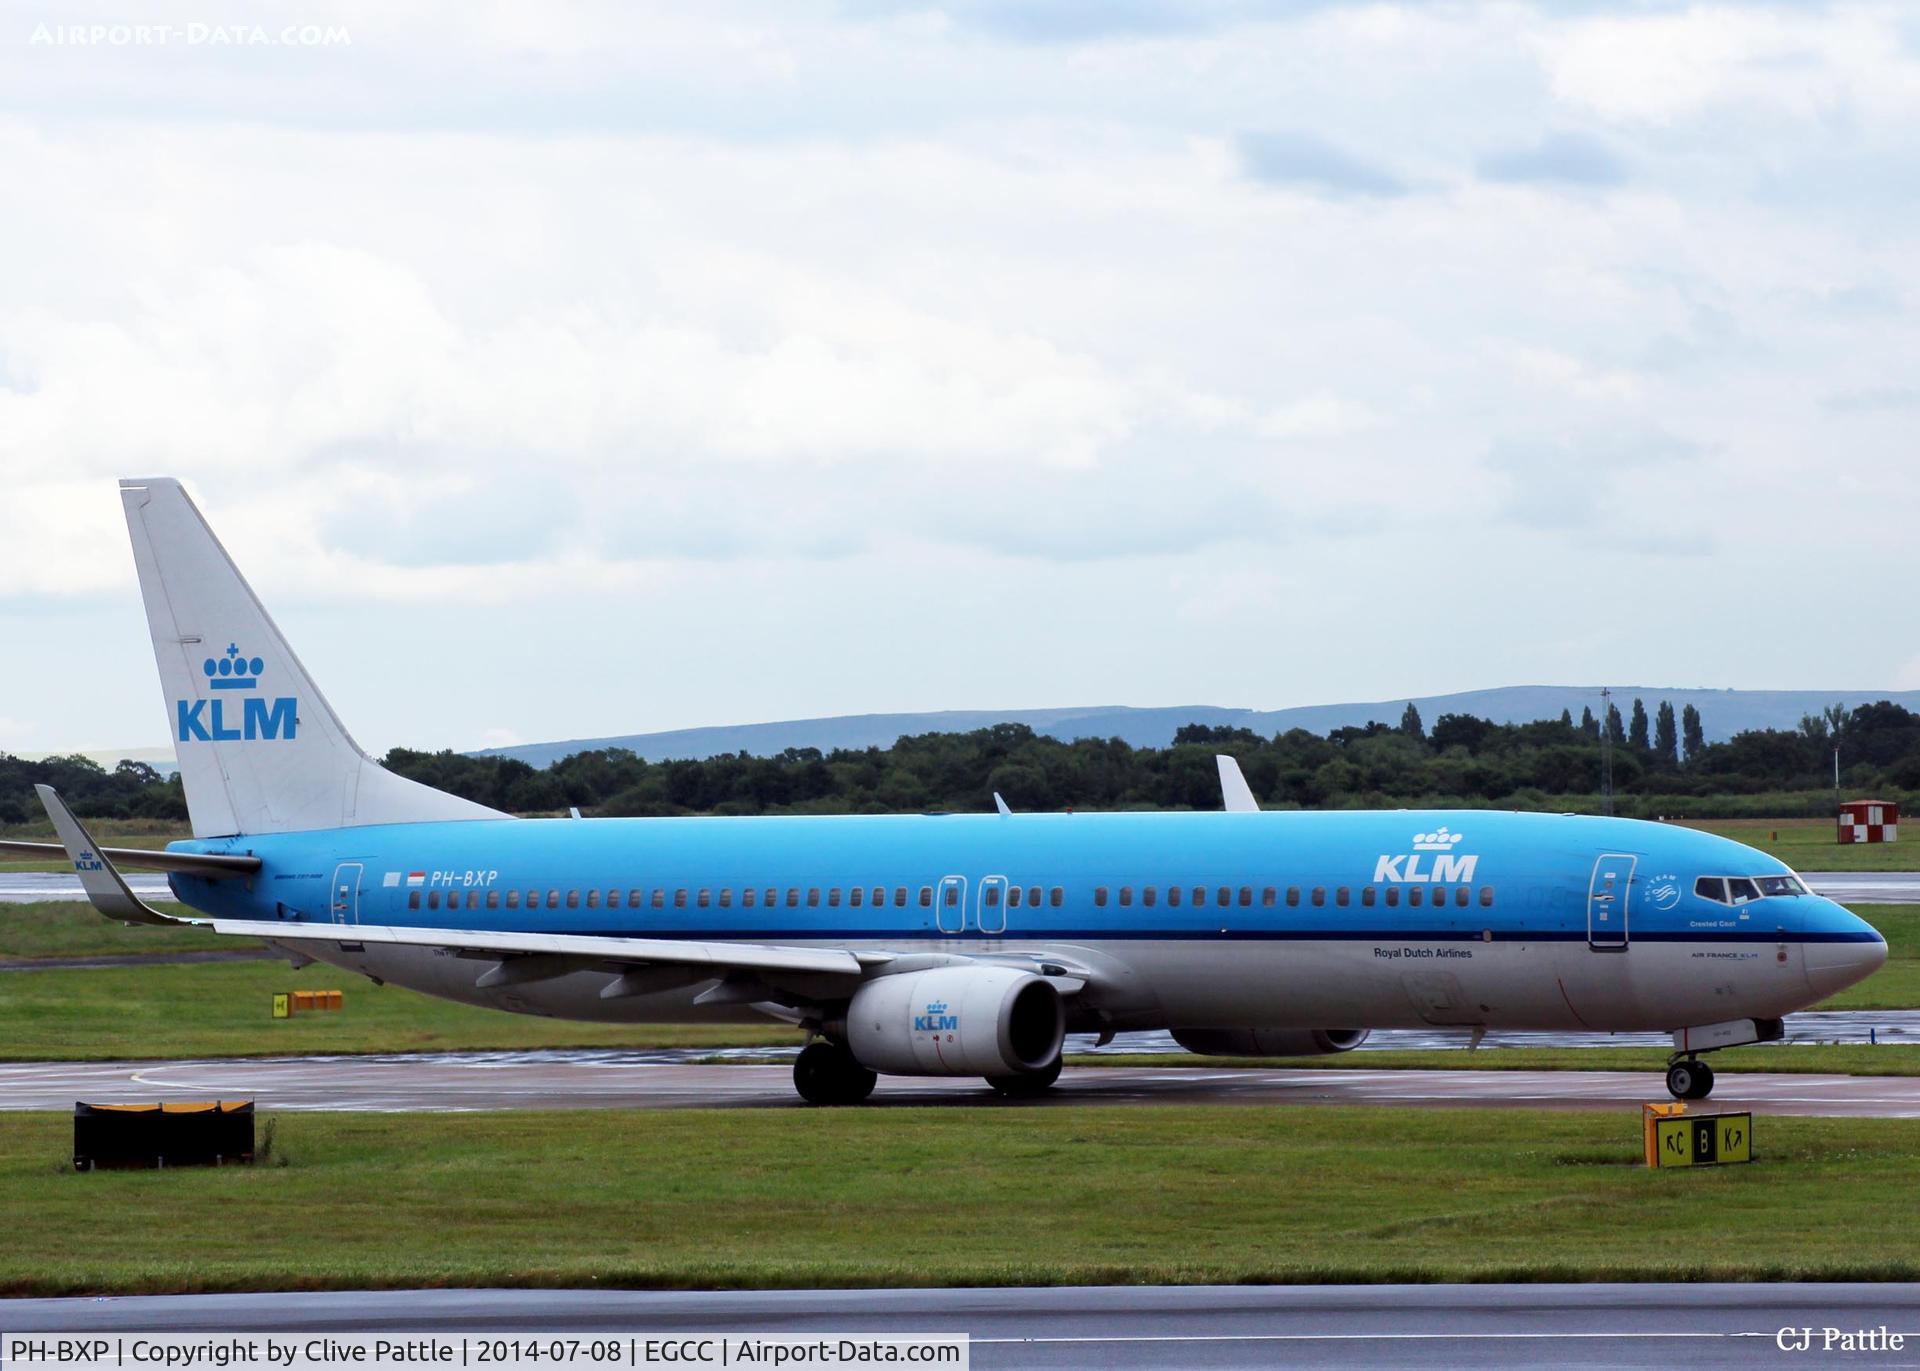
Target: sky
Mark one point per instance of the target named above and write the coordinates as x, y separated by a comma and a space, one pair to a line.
592, 368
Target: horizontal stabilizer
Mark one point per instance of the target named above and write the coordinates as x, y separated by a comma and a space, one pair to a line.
213, 866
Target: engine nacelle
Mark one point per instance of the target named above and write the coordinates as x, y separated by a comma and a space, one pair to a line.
1269, 1042
957, 1021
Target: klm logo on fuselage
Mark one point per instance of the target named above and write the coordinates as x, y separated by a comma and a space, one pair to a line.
1432, 860
260, 719
936, 1019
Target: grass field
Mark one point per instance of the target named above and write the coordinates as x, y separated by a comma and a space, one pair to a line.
987, 1196
1808, 845
1844, 1059
106, 832
72, 928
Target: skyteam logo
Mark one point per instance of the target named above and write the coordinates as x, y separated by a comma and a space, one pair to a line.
1446, 867
936, 1019
1663, 891
210, 721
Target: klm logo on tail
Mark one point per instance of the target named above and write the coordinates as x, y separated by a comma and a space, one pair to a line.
261, 719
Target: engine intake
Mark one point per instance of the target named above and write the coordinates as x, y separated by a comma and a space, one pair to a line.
957, 1021
1269, 1042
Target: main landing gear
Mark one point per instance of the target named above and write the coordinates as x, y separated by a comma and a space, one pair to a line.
827, 1073
1024, 1087
1689, 1078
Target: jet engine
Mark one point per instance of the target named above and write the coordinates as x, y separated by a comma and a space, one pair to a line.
957, 1021
1269, 1042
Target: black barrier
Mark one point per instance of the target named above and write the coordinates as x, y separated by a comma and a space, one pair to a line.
132, 1136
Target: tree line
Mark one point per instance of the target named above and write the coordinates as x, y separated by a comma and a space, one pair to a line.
1661, 765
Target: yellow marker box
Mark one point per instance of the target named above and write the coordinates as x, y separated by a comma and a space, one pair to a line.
1701, 1140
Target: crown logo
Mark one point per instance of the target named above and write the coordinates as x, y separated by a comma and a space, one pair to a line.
231, 671
1437, 841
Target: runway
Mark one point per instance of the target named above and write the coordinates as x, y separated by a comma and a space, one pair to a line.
615, 1080
1421, 1326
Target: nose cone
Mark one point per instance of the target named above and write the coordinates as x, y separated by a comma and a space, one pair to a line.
1842, 949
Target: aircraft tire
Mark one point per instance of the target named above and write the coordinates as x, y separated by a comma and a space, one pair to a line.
1690, 1080
826, 1073
1033, 1083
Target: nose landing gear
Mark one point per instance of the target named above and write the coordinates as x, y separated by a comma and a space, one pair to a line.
1689, 1078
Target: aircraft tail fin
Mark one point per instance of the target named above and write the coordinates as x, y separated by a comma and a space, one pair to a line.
260, 749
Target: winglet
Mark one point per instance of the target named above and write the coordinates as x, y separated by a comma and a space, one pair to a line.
1000, 804
104, 885
1234, 788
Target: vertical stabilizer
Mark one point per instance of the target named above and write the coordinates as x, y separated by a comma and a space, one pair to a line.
260, 749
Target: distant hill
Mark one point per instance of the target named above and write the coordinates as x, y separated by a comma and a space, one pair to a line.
1723, 713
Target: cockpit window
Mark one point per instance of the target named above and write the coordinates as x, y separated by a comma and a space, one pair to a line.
1781, 885
1741, 889
1711, 888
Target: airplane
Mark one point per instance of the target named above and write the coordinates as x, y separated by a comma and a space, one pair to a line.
939, 944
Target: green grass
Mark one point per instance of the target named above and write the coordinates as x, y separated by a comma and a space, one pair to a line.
73, 928
152, 833
1897, 984
983, 1196
224, 1010
1809, 845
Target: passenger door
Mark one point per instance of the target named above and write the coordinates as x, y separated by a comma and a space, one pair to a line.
1607, 896
346, 893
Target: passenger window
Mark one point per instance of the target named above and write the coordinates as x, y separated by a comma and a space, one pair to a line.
746, 897
950, 894
813, 897
433, 899
1340, 897
613, 899
773, 897
593, 899
1126, 896
1148, 895
899, 897
1267, 894
1711, 888
1741, 889
856, 896
1293, 896
553, 899
1013, 897
413, 899
513, 899
833, 898
793, 897
659, 900
726, 897
1056, 897
1173, 897
1033, 897
1100, 896
1226, 896
1393, 897
473, 899
1319, 896
1416, 896
926, 897
879, 896
680, 898
533, 899
1246, 896
991, 896
1366, 896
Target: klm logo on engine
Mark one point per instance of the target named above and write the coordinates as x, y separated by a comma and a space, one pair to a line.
936, 1019
1432, 860
214, 721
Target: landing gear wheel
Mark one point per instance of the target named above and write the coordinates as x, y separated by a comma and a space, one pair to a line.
1690, 1080
826, 1073
1032, 1083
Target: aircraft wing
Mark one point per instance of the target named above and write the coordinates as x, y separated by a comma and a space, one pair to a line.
104, 885
719, 957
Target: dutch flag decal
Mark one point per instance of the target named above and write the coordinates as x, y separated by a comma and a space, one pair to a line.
416, 878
